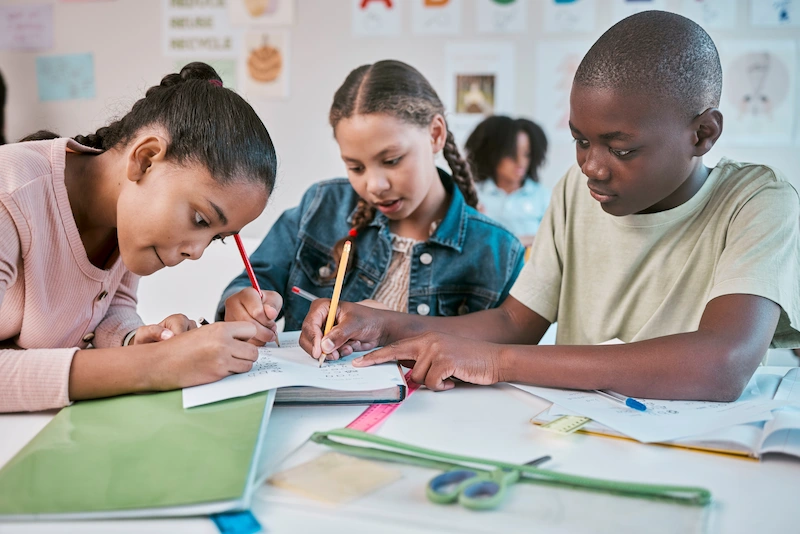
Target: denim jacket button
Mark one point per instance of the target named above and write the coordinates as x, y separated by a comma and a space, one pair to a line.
425, 258
423, 309
325, 271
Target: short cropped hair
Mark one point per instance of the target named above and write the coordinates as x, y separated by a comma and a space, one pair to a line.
656, 53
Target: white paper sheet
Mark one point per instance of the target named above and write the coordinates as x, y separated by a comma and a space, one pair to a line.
789, 390
668, 420
782, 434
292, 366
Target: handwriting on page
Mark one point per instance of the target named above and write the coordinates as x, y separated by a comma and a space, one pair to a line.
289, 365
665, 420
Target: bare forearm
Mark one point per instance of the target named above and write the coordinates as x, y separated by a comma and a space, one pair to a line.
694, 366
512, 322
98, 373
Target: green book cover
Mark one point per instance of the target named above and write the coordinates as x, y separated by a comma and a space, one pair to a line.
137, 452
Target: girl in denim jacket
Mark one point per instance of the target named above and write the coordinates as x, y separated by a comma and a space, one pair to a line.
419, 245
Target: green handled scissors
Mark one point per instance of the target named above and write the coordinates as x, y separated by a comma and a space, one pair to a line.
476, 490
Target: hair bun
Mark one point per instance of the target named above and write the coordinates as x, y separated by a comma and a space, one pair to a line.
192, 71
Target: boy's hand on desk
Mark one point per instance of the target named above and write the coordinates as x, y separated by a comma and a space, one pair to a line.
357, 328
247, 306
201, 356
439, 357
166, 329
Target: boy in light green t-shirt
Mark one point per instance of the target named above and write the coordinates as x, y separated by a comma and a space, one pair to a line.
696, 269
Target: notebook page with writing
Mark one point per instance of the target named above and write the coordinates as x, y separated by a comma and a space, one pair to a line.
667, 420
290, 365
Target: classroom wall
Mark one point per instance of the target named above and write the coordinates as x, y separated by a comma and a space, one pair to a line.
125, 38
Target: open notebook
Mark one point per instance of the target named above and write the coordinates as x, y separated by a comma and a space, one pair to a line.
780, 434
301, 380
138, 456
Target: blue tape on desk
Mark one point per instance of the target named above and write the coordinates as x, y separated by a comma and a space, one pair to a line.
236, 523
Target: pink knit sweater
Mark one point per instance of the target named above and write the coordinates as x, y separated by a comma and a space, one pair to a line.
53, 301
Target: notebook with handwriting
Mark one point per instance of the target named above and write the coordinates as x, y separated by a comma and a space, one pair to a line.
300, 380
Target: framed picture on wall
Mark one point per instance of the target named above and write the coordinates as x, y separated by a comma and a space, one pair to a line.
264, 64
479, 81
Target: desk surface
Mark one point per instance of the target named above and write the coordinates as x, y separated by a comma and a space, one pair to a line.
749, 496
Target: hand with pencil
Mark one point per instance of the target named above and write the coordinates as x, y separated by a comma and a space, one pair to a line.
251, 304
434, 356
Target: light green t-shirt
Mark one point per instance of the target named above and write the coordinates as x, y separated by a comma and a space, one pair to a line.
644, 276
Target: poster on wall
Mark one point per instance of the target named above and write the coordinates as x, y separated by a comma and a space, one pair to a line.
264, 65
775, 13
436, 17
556, 63
625, 8
479, 81
198, 29
501, 16
376, 18
26, 27
261, 12
710, 14
65, 77
571, 16
758, 94
226, 68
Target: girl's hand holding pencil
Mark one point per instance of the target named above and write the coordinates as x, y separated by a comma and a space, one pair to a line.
261, 311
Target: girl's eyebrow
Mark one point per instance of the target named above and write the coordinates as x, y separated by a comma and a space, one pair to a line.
222, 218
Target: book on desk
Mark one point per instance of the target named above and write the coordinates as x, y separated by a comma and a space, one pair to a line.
779, 434
138, 456
300, 380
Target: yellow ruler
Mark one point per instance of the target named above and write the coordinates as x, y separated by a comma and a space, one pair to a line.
566, 424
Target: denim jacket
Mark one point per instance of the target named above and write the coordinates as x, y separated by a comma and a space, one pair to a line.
468, 264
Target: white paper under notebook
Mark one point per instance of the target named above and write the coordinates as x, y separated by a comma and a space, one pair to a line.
301, 380
666, 420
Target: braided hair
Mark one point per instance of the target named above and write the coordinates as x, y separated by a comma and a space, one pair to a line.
205, 123
397, 89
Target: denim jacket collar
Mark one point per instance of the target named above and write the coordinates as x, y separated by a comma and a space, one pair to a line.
451, 232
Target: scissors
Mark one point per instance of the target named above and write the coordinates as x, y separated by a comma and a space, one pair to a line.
475, 490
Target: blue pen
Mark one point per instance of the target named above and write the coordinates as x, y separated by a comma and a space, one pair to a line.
627, 401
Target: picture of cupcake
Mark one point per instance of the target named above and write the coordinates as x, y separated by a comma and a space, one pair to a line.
265, 64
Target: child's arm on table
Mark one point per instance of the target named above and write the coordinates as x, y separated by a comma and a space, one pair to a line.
713, 363
200, 356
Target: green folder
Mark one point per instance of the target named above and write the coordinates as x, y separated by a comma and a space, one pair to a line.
138, 456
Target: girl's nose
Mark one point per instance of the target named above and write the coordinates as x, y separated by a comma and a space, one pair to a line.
193, 251
377, 183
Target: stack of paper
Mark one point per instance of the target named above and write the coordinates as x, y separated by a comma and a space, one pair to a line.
671, 420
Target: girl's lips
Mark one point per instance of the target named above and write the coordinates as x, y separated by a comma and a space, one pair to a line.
389, 207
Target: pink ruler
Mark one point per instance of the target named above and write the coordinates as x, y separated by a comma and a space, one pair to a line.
371, 418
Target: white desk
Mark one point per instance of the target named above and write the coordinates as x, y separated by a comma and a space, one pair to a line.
749, 496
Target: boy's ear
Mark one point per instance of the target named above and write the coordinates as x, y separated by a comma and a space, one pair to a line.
438, 131
707, 128
144, 151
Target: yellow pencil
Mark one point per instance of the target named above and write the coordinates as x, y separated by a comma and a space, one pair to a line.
337, 290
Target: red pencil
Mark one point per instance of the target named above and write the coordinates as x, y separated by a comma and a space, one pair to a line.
251, 274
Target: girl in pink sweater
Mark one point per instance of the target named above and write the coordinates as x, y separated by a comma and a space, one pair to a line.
82, 219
